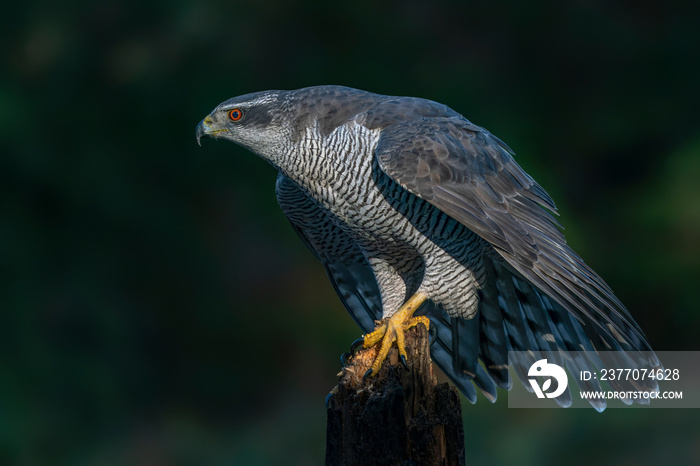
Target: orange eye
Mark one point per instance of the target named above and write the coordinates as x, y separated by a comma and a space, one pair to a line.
235, 114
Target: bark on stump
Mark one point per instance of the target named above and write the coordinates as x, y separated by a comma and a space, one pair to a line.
400, 417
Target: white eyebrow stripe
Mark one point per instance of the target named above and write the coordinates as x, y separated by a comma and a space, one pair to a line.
250, 103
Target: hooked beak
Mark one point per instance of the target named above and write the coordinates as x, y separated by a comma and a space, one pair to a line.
206, 129
203, 129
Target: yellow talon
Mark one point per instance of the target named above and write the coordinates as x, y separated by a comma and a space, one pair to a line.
392, 329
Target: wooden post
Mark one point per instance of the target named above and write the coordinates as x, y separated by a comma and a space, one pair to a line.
398, 417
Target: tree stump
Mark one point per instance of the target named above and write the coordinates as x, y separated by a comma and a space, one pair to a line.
399, 417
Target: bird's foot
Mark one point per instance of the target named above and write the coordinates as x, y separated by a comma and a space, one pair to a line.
392, 330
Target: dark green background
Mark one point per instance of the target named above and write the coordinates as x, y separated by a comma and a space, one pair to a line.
157, 309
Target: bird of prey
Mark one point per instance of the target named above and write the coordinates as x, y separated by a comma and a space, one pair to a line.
408, 205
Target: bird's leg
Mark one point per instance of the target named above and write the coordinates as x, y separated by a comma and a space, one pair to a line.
392, 329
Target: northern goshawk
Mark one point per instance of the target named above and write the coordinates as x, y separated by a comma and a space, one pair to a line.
408, 204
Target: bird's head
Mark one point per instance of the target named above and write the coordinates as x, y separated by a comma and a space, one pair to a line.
256, 121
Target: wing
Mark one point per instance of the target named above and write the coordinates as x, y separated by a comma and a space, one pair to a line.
343, 260
471, 175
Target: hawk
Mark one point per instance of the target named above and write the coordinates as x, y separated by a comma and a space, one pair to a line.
421, 217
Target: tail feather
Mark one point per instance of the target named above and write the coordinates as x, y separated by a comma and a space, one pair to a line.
455, 350
516, 316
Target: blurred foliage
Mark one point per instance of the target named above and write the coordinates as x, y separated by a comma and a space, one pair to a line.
157, 307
